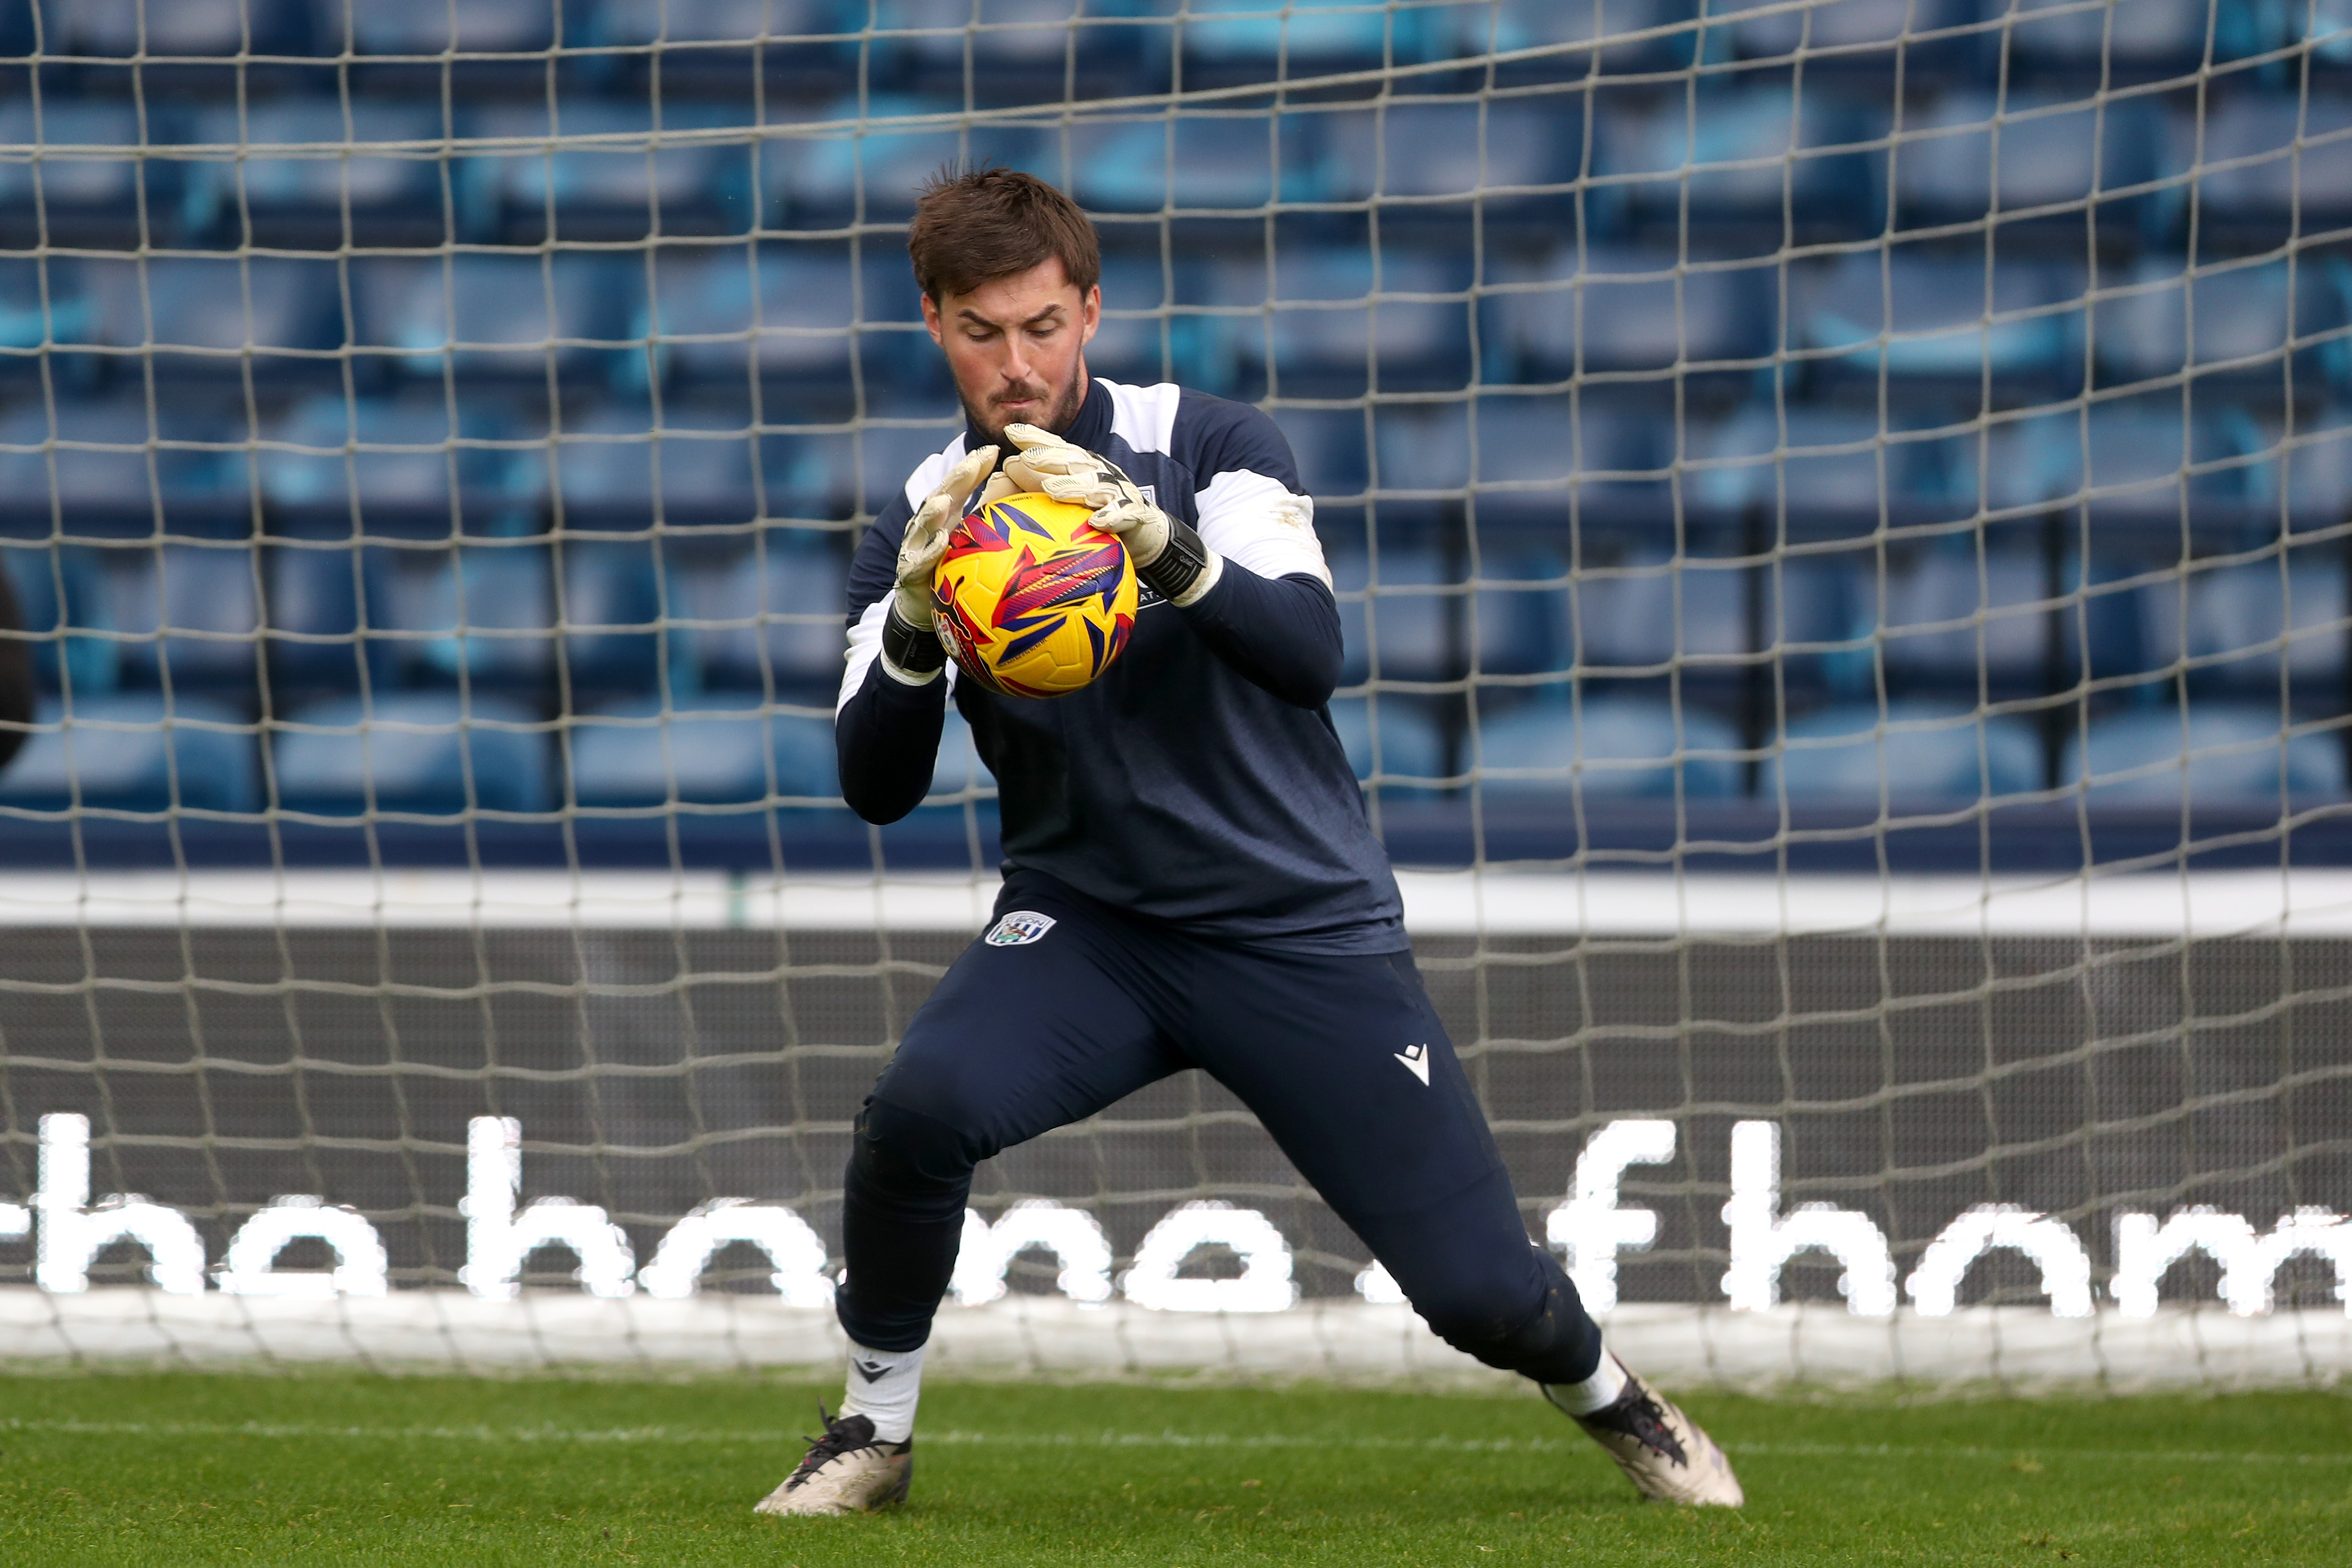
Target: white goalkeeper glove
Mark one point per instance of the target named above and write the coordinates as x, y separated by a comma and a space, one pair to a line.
912, 649
1169, 555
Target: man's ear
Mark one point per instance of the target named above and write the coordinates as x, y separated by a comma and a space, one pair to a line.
931, 317
1090, 315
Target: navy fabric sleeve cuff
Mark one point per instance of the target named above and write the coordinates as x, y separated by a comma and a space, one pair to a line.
887, 738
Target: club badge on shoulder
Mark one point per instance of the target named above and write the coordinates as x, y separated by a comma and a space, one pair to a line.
1019, 929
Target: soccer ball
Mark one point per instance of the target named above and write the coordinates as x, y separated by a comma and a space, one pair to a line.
1031, 599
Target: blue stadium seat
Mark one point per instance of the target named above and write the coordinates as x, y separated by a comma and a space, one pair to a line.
1324, 324
1330, 449
425, 752
484, 610
401, 473
2133, 453
2241, 313
275, 180
511, 317
1409, 751
1010, 39
1219, 164
1849, 26
72, 175
1530, 451
771, 615
117, 29
1929, 310
1519, 600
613, 605
1608, 746
110, 475
1611, 308
2313, 475
888, 453
617, 466
1311, 37
28, 319
638, 22
2226, 754
711, 749
328, 614
617, 184
135, 752
1928, 751
1415, 152
714, 313
2131, 35
2257, 174
405, 27
192, 610
2325, 27
1741, 155
2053, 150
199, 315
1647, 608
1817, 461
817, 179
2268, 619
1947, 613
1127, 346
61, 589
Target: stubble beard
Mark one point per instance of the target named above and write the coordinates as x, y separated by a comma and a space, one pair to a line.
1065, 412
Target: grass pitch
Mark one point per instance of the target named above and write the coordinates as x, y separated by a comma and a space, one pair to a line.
186, 1468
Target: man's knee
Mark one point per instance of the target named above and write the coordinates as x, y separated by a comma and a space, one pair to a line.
907, 1163
1521, 1315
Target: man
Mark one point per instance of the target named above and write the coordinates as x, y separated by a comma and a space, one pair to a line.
1190, 880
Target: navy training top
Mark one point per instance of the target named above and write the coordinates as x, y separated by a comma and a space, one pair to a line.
1199, 780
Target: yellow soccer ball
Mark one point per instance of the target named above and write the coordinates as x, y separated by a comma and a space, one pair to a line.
1031, 599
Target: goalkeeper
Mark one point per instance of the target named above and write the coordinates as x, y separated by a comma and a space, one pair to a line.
1190, 877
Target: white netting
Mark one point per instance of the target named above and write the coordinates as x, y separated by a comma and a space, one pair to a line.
1839, 510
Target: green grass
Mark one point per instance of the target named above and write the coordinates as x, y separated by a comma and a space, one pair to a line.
186, 1468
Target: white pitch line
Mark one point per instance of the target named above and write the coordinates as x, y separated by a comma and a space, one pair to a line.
293, 1431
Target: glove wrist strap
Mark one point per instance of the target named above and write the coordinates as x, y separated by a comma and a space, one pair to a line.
1176, 572
914, 654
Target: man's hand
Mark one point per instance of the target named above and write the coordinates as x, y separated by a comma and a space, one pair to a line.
912, 649
1168, 554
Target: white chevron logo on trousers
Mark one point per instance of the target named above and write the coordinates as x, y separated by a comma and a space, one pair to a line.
1416, 1061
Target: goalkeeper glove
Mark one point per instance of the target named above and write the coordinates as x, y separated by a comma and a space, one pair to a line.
1169, 555
912, 649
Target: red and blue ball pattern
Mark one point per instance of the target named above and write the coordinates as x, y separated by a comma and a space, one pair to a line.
1031, 599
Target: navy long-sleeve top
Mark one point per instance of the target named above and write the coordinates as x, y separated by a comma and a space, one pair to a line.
1199, 780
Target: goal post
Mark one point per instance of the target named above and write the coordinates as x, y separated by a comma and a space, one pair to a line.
1841, 512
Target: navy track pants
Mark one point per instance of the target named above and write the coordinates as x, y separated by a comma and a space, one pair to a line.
1103, 1004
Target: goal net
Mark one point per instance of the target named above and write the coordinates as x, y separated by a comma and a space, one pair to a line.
1839, 510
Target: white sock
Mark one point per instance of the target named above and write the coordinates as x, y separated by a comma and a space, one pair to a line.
1598, 1392
883, 1387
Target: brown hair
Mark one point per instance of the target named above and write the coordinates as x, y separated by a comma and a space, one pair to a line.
981, 225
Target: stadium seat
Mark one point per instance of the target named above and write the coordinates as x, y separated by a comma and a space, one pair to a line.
1410, 749
1928, 752
189, 611
1950, 615
1006, 41
2312, 472
1740, 154
617, 186
218, 316
2248, 169
635, 23
111, 475
403, 28
1309, 36
2128, 462
867, 164
73, 175
1848, 27
117, 29
2053, 150
1127, 345
613, 602
2226, 754
514, 314
401, 474
888, 453
1608, 746
1504, 26
295, 167
425, 752
710, 749
2242, 313
618, 467
2255, 619
1226, 165
62, 590
2131, 35
1922, 316
1410, 154
1329, 317
135, 752
328, 616
771, 615
483, 611
713, 313
1613, 310
41, 304
1516, 611
1332, 452
1814, 462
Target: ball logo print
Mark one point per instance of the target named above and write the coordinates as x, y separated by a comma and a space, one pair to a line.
1019, 929
1033, 600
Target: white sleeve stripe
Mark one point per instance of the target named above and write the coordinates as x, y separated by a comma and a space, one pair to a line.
865, 647
1144, 416
1256, 522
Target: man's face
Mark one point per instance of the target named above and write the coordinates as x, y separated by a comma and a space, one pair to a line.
1016, 347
